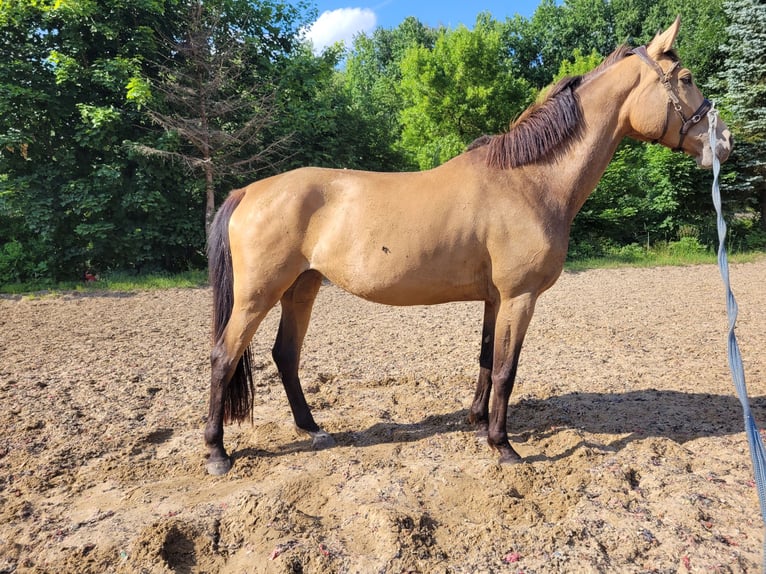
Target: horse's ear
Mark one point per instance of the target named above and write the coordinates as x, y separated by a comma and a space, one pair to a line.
663, 42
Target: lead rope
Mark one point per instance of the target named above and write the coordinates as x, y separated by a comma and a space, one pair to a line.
757, 452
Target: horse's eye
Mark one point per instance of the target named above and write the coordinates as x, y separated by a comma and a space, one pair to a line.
687, 79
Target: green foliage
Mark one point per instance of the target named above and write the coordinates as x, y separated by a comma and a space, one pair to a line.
659, 255
580, 64
743, 78
372, 80
66, 173
648, 194
317, 116
687, 246
15, 262
80, 78
139, 91
76, 81
461, 88
120, 281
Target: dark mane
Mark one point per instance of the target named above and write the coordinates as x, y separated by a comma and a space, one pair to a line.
545, 128
615, 56
542, 129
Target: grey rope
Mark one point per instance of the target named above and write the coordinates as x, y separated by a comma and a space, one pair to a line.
757, 452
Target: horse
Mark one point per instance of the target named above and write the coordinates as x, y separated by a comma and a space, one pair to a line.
490, 225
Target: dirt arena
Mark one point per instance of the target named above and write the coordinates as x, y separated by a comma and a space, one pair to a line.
624, 409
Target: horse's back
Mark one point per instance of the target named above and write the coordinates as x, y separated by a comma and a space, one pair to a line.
396, 238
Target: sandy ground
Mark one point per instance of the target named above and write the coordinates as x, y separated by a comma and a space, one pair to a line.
624, 409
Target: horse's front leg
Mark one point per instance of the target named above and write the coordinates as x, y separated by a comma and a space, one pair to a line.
479, 413
510, 328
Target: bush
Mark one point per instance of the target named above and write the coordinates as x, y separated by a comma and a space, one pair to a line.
686, 246
631, 253
18, 264
755, 240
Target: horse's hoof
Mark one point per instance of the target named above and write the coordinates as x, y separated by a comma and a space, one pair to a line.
321, 440
218, 467
509, 458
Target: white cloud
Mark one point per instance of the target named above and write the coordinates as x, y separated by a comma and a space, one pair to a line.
340, 26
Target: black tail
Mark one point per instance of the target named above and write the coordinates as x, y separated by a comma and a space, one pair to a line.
238, 393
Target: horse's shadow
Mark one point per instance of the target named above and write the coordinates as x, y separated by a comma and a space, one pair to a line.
631, 416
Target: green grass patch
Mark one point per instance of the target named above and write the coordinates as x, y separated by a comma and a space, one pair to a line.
129, 282
117, 281
676, 254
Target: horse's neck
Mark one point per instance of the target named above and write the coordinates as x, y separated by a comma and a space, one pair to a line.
579, 171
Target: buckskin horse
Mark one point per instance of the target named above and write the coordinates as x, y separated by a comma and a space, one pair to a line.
490, 225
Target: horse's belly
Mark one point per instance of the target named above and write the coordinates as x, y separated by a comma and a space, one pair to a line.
400, 259
418, 283
404, 295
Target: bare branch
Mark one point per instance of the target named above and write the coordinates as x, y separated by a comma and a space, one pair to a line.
191, 162
204, 99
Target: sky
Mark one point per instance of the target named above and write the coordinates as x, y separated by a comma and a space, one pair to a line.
341, 20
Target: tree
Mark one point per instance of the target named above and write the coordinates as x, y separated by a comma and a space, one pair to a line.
68, 184
744, 78
27, 107
462, 88
580, 64
75, 86
557, 29
200, 98
372, 78
315, 113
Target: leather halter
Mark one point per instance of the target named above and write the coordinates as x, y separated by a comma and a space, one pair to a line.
673, 99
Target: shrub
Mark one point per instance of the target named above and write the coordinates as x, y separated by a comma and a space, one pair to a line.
18, 264
631, 253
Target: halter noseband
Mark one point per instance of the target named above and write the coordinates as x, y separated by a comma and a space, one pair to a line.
674, 100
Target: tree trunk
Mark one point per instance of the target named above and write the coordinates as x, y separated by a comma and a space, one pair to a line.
210, 196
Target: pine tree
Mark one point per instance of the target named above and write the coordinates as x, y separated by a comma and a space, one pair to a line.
744, 77
209, 101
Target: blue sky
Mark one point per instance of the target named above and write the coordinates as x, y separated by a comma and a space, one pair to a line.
341, 20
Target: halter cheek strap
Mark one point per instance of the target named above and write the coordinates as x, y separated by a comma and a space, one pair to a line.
673, 99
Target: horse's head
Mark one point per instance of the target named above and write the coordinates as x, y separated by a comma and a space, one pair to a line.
667, 107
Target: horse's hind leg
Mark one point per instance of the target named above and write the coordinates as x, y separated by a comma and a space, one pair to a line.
297, 303
230, 385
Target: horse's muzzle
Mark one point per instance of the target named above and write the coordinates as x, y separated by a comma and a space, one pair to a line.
724, 145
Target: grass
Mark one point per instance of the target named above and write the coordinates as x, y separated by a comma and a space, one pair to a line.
658, 258
129, 282
633, 256
117, 281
